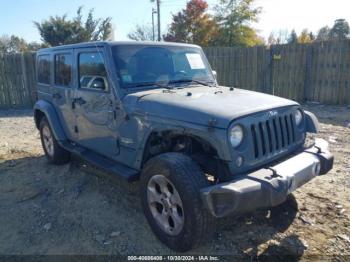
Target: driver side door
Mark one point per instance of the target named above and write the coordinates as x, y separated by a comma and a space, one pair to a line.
94, 104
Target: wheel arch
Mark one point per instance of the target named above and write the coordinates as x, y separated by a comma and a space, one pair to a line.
202, 151
45, 109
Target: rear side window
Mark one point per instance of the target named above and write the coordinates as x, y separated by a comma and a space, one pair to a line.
92, 71
44, 69
63, 69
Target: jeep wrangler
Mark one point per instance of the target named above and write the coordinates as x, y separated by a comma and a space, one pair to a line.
154, 112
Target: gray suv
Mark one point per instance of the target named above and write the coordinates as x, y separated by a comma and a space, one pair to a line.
154, 112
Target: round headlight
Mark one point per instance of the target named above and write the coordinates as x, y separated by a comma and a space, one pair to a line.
298, 115
236, 135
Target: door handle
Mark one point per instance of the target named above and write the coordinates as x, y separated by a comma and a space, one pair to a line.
112, 112
56, 96
79, 101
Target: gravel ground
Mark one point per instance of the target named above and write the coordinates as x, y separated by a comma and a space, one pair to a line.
76, 209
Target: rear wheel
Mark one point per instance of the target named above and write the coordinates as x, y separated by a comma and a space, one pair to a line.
53, 151
170, 194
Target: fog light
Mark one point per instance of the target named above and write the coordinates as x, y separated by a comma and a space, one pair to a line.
239, 161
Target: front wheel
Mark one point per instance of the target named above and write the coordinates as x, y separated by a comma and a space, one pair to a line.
170, 195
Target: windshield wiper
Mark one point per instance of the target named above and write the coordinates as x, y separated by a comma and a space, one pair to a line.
149, 84
210, 84
142, 84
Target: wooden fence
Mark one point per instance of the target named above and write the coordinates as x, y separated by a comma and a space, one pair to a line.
17, 80
317, 72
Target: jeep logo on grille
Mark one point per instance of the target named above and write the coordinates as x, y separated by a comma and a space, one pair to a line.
272, 113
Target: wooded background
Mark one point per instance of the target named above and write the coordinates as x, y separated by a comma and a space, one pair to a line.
318, 72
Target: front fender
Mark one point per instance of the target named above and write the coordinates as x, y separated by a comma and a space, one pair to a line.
216, 138
311, 122
50, 113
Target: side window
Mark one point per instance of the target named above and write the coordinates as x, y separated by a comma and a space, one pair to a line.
92, 71
63, 69
44, 69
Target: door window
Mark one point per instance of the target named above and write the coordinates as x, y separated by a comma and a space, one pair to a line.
44, 69
92, 71
63, 70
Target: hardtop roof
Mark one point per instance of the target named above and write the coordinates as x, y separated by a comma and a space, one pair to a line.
113, 43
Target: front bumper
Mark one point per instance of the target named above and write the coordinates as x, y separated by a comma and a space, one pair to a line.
268, 187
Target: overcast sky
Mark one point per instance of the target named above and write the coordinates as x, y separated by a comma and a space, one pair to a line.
17, 16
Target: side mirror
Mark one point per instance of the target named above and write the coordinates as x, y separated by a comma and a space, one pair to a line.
98, 84
215, 74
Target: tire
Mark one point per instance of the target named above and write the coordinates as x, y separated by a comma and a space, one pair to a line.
194, 223
54, 153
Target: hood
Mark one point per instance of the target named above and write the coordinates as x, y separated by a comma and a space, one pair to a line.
201, 105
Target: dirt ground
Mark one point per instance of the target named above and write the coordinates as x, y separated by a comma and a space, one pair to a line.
75, 209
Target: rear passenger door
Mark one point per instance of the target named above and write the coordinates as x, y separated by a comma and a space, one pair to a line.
62, 90
94, 104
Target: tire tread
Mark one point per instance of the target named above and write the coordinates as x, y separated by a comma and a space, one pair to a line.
190, 172
61, 156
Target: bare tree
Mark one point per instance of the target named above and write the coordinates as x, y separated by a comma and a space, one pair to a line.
141, 33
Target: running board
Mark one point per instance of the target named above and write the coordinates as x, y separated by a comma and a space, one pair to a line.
109, 166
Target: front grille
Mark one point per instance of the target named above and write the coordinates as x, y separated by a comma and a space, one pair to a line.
273, 135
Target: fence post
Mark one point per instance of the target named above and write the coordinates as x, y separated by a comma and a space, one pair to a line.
33, 87
307, 81
348, 94
266, 58
270, 70
25, 81
6, 81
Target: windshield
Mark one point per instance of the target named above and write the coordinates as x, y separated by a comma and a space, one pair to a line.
140, 65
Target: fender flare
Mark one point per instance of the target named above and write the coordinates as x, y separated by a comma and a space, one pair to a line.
222, 154
49, 111
311, 122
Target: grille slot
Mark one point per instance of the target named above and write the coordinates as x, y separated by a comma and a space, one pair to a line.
269, 135
262, 136
272, 135
255, 141
292, 127
277, 136
283, 131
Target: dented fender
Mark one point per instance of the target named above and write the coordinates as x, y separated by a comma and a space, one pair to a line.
147, 125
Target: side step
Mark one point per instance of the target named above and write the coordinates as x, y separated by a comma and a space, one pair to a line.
103, 163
